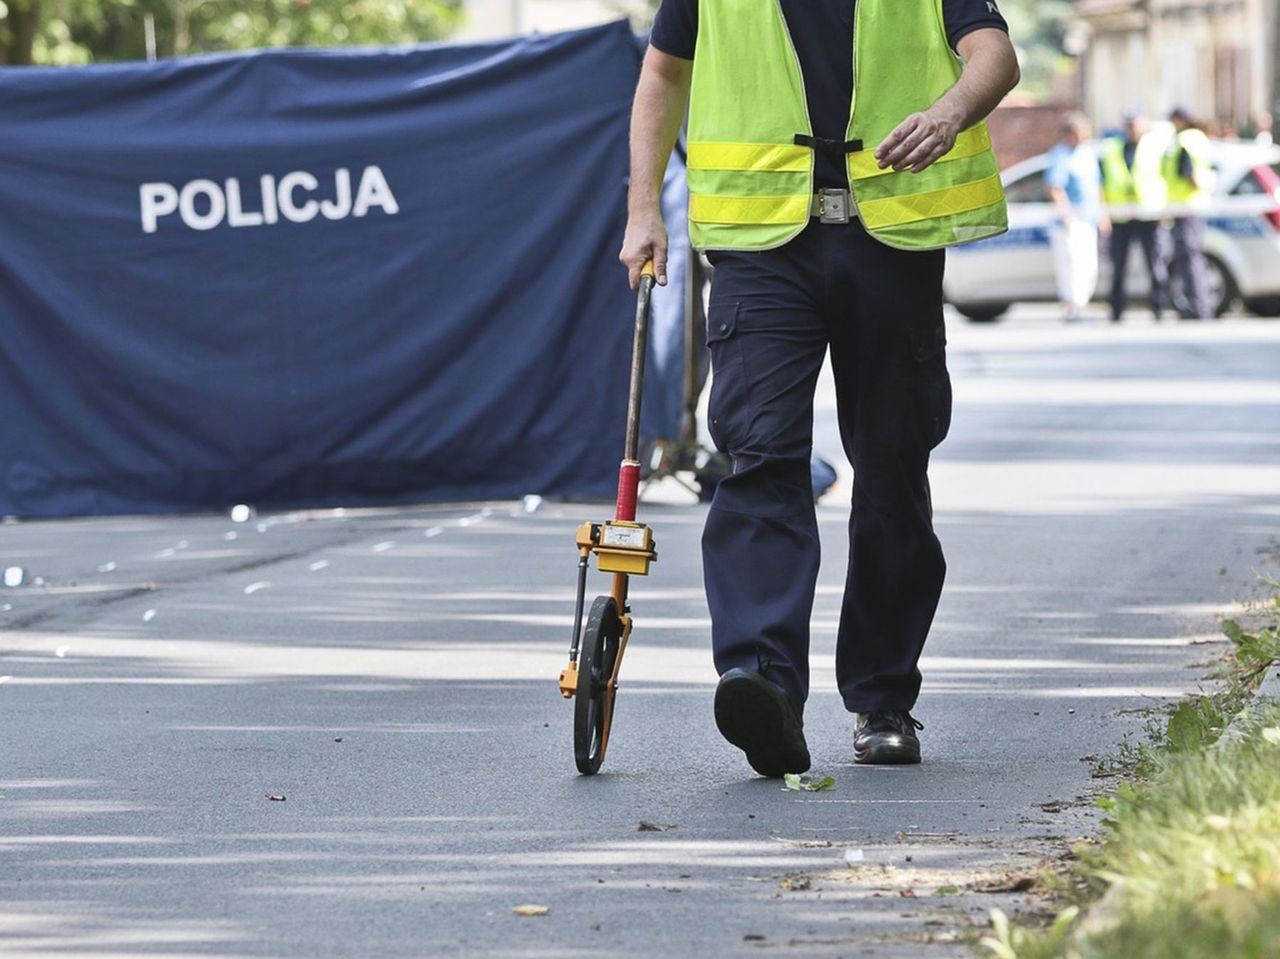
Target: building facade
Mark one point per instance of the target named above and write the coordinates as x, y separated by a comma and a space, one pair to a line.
491, 19
1213, 57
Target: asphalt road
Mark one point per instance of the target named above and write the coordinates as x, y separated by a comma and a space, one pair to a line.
1106, 494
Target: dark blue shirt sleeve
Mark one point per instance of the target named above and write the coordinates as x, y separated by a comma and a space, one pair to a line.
962, 17
675, 28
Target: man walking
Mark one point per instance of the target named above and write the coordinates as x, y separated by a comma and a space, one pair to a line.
824, 182
1189, 178
1131, 178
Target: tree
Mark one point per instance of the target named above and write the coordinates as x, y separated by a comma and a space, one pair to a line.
19, 24
1037, 28
80, 31
1275, 71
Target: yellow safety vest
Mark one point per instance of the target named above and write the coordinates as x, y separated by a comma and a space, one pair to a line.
1143, 185
750, 172
1183, 192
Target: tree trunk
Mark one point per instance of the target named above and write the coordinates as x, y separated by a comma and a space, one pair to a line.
24, 23
1275, 71
181, 28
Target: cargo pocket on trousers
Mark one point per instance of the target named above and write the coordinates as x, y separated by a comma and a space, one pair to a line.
727, 408
933, 382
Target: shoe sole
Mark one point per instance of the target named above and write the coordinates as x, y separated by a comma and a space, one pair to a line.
754, 719
902, 755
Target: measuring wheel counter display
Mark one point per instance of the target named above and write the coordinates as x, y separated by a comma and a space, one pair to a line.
625, 548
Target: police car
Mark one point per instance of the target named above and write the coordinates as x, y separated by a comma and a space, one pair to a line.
1242, 242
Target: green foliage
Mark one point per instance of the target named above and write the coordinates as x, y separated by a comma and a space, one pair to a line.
1008, 941
1191, 860
1037, 28
81, 31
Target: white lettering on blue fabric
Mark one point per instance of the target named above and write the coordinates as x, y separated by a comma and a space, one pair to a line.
296, 197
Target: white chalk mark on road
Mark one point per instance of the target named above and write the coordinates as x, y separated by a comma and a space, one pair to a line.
319, 565
149, 615
255, 587
384, 546
61, 651
433, 531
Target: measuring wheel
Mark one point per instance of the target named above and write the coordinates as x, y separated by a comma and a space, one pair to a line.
623, 548
593, 711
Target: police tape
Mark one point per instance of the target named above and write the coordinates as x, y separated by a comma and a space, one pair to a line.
1227, 207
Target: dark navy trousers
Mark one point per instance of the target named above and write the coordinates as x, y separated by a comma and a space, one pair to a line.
773, 315
1148, 235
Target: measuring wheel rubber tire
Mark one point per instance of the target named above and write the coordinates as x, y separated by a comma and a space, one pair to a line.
597, 654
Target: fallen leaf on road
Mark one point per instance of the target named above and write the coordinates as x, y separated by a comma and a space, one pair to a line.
275, 798
528, 910
798, 783
753, 937
795, 883
907, 893
647, 826
947, 891
1008, 884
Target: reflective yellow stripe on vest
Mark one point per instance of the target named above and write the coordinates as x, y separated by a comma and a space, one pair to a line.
972, 142
749, 209
915, 207
749, 157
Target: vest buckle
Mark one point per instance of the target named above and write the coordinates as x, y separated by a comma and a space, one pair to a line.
832, 205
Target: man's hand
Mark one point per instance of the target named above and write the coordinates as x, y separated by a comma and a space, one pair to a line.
918, 141
990, 71
645, 239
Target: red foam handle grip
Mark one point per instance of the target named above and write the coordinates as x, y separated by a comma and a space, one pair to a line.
628, 488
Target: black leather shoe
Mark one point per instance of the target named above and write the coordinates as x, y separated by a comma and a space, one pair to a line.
886, 738
758, 717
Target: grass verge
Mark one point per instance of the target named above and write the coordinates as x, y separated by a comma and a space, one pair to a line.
1189, 863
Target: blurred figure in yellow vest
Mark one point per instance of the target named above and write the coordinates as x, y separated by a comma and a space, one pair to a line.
1189, 178
1135, 190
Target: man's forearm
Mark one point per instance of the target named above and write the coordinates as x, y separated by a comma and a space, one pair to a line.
990, 72
656, 117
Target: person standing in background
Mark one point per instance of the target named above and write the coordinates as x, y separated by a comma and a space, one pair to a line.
1075, 187
1131, 177
1189, 178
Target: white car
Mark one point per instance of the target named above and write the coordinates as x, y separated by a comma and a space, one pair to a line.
1242, 241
